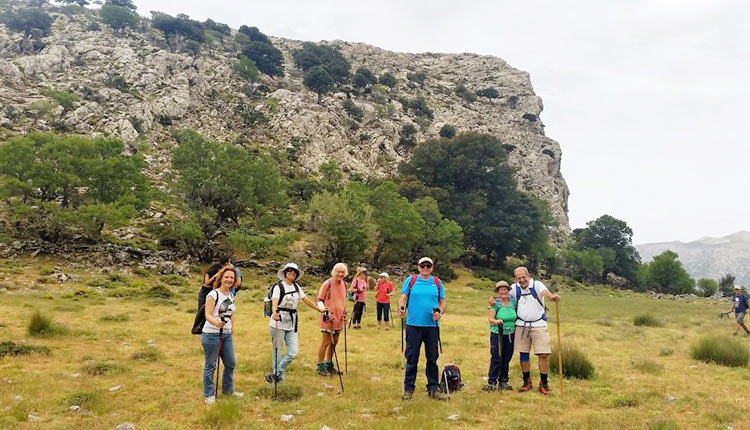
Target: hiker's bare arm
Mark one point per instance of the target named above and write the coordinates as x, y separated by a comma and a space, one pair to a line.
275, 308
551, 296
491, 301
401, 305
210, 305
491, 317
441, 306
310, 303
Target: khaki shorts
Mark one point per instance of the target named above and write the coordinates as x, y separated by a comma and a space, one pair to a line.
536, 337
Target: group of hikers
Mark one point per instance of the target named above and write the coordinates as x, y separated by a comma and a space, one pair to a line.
516, 316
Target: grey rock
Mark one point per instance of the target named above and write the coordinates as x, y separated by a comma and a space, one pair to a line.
125, 426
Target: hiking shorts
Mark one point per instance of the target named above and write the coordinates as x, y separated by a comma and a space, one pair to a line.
740, 317
533, 337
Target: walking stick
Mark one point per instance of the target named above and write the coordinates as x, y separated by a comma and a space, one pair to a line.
275, 358
500, 351
336, 356
218, 365
346, 364
559, 350
445, 376
402, 343
390, 313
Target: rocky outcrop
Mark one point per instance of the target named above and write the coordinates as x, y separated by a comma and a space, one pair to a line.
132, 87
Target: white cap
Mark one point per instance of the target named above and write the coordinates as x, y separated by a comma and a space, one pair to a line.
280, 273
737, 287
425, 259
384, 275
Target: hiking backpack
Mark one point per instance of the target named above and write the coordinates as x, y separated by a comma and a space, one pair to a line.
200, 316
267, 307
452, 375
413, 280
532, 292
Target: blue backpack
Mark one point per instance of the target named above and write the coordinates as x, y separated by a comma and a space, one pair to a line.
531, 292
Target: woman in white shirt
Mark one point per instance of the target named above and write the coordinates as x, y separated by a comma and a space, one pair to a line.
285, 296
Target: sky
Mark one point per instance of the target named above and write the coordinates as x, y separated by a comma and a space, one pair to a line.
646, 98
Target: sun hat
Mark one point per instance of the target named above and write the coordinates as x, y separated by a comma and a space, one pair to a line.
384, 275
292, 266
501, 284
737, 287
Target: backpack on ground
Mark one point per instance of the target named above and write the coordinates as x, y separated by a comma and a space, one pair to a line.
267, 307
452, 375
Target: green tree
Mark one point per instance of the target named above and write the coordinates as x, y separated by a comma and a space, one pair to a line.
388, 80
442, 238
246, 68
399, 227
66, 99
666, 274
707, 287
119, 17
267, 57
609, 232
420, 108
583, 266
318, 80
344, 225
313, 55
177, 31
418, 77
229, 179
122, 3
470, 178
490, 93
726, 284
32, 22
465, 93
81, 3
363, 77
331, 175
58, 187
447, 131
255, 35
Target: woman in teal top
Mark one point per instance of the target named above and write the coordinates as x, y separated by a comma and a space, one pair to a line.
502, 318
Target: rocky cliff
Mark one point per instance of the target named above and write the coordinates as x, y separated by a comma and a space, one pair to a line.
133, 87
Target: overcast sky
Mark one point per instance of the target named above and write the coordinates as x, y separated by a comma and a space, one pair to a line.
648, 99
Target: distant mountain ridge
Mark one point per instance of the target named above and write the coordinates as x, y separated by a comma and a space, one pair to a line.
708, 257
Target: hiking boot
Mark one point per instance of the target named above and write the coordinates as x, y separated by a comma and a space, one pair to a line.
407, 395
238, 394
210, 400
505, 386
271, 378
489, 387
544, 388
322, 369
437, 395
527, 386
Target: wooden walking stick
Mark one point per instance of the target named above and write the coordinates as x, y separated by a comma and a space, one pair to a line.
559, 350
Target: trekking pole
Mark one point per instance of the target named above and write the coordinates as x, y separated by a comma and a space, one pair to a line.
336, 356
218, 363
275, 358
346, 364
559, 350
440, 344
402, 343
500, 351
390, 312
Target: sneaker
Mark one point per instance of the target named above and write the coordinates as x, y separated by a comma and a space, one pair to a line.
407, 395
210, 400
489, 387
386, 328
238, 394
437, 395
505, 386
544, 388
527, 386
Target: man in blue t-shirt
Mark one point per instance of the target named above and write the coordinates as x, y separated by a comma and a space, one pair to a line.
739, 306
426, 304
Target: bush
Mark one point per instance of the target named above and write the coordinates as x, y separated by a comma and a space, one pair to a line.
246, 68
86, 400
648, 366
42, 325
159, 292
388, 80
16, 349
148, 354
224, 413
720, 350
285, 393
115, 318
575, 364
352, 109
101, 369
490, 93
447, 131
93, 26
647, 320
62, 97
465, 93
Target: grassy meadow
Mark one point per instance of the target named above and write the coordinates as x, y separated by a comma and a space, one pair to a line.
121, 352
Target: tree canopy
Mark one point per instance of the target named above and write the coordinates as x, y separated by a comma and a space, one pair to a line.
666, 274
119, 17
614, 239
313, 55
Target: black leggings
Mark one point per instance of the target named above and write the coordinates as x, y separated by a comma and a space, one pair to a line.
500, 363
359, 307
384, 309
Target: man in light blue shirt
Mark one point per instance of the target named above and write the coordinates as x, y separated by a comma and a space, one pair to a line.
424, 296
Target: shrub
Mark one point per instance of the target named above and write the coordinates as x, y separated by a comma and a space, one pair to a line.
408, 133
575, 364
352, 109
94, 26
465, 93
447, 131
246, 68
101, 369
720, 350
115, 318
388, 80
148, 354
86, 400
159, 292
648, 366
490, 93
42, 325
420, 108
624, 402
665, 352
62, 97
418, 77
647, 320
285, 393
223, 413
119, 83
15, 349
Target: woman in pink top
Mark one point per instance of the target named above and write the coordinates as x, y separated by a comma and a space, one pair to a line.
332, 301
383, 293
359, 291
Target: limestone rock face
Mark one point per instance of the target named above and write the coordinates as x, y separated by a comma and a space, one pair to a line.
132, 87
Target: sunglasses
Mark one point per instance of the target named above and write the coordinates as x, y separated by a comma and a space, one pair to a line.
425, 265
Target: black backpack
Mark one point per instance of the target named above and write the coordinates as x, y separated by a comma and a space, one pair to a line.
200, 317
267, 308
452, 375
